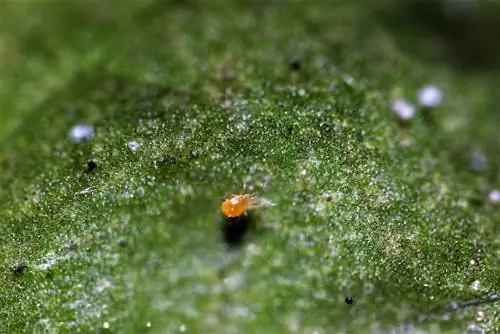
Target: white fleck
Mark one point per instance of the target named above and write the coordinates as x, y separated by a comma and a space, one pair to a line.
81, 132
349, 80
475, 285
182, 328
105, 325
127, 194
303, 172
494, 196
293, 323
403, 109
133, 146
234, 281
262, 201
479, 316
473, 327
84, 191
49, 260
302, 92
226, 104
103, 285
430, 96
148, 324
472, 262
240, 311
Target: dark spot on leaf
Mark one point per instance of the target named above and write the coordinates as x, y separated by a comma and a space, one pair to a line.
122, 242
294, 64
49, 274
235, 230
476, 201
18, 268
348, 300
91, 165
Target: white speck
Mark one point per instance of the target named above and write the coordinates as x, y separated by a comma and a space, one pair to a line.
430, 96
240, 311
226, 104
81, 132
127, 194
403, 109
303, 172
103, 285
302, 92
182, 328
292, 322
148, 324
479, 316
234, 281
472, 262
475, 285
133, 146
349, 80
474, 328
494, 196
49, 261
262, 201
105, 325
84, 191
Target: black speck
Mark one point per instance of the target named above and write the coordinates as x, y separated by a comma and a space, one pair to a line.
294, 64
348, 300
122, 243
91, 165
18, 268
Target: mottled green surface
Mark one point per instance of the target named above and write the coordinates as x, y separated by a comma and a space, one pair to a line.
393, 216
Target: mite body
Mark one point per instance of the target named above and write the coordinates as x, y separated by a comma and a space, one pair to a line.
237, 205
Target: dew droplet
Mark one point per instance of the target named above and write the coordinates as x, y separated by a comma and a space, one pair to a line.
133, 146
81, 132
403, 109
430, 96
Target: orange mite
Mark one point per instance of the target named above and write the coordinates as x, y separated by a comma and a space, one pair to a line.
236, 205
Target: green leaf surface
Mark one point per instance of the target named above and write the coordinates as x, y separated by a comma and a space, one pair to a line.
395, 216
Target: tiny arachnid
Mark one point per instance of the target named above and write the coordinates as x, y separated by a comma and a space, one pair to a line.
237, 205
